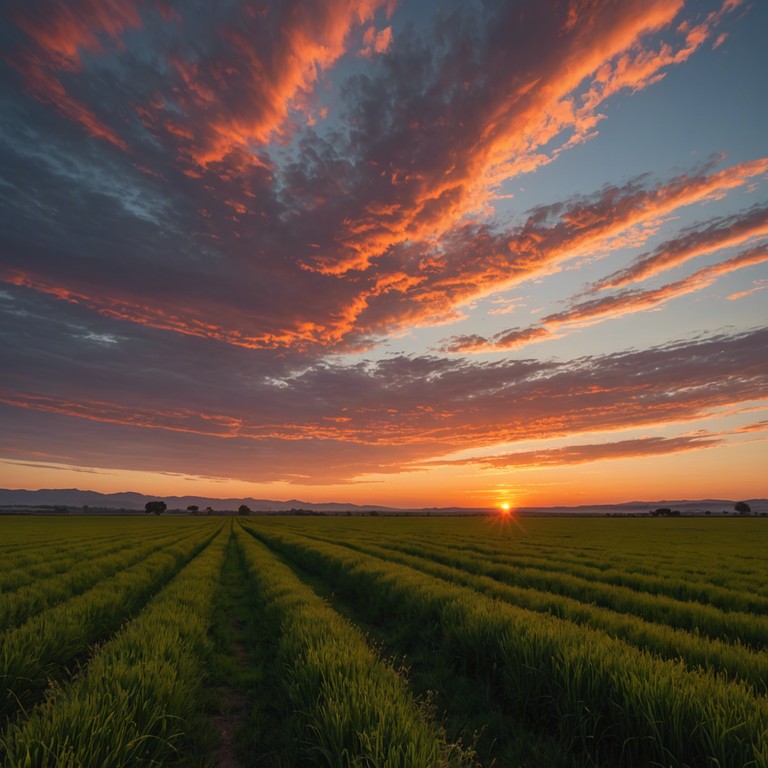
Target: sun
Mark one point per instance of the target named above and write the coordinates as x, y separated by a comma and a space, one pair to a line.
505, 508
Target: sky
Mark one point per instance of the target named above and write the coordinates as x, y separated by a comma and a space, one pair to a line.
403, 253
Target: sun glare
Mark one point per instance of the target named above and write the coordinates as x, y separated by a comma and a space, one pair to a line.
505, 508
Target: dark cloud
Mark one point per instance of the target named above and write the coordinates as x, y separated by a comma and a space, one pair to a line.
203, 203
269, 418
172, 209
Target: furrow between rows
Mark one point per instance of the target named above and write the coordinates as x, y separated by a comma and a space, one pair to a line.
621, 704
136, 703
39, 650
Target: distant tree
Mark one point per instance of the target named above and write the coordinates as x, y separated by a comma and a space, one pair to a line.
193, 508
665, 512
742, 508
155, 507
244, 509
209, 510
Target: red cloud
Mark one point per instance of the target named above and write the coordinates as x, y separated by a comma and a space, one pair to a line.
188, 324
376, 42
759, 285
406, 291
505, 125
633, 301
710, 239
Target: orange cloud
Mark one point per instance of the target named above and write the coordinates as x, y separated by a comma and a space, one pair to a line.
463, 406
591, 452
507, 132
265, 76
376, 41
57, 35
634, 301
167, 320
720, 234
370, 234
618, 305
759, 285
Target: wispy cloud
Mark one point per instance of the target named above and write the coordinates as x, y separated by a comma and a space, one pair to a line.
759, 285
721, 233
382, 416
629, 301
590, 452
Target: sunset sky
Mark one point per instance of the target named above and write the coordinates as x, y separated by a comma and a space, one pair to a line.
405, 253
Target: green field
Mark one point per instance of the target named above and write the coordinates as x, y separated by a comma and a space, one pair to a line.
346, 641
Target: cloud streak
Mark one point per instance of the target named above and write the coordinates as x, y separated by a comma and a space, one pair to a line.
628, 301
591, 452
232, 234
384, 416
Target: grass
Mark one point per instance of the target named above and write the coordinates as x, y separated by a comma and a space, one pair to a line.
599, 693
382, 642
137, 700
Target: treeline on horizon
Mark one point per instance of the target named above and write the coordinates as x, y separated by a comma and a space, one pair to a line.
740, 508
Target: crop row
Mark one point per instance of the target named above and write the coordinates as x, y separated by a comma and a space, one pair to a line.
26, 535
39, 649
732, 659
739, 627
346, 707
23, 567
651, 577
83, 572
647, 576
668, 551
602, 695
136, 703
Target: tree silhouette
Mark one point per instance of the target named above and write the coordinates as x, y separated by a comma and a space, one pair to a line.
244, 509
193, 508
742, 507
155, 507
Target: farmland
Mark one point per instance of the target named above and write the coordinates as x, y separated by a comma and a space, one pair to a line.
345, 641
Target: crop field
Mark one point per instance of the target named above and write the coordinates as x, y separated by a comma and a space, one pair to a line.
383, 642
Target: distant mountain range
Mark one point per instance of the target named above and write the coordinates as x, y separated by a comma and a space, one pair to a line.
73, 497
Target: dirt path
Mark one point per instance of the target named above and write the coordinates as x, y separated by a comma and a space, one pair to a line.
247, 706
231, 666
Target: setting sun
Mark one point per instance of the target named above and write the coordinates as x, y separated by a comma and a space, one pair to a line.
350, 258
